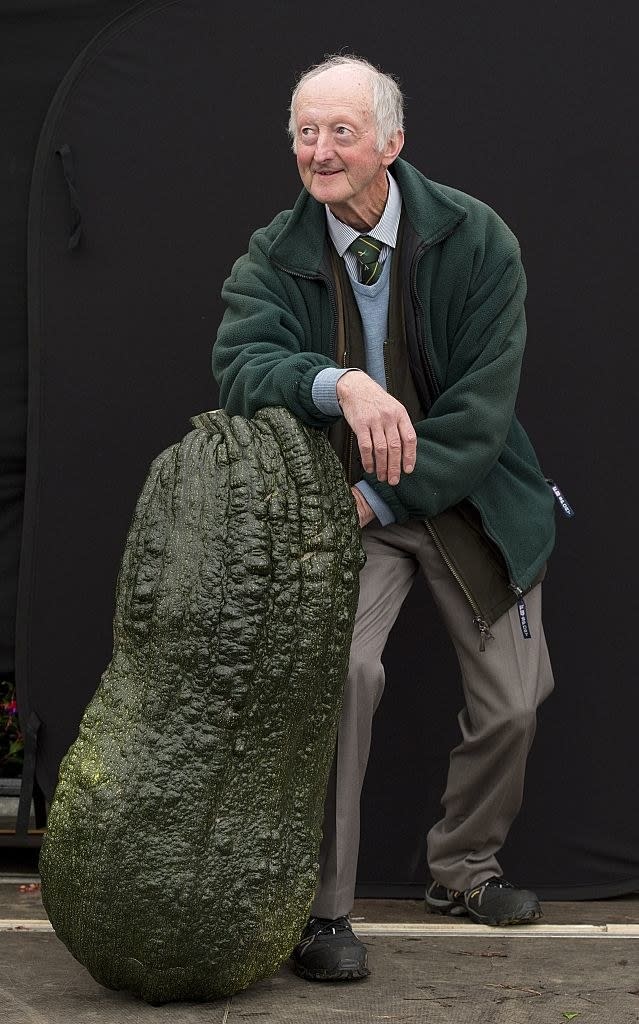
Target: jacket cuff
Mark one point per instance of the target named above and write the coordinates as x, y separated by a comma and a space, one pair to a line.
388, 494
384, 514
324, 390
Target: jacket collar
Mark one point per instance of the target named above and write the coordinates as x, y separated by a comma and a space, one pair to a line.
299, 247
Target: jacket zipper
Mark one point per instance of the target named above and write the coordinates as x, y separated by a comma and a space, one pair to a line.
417, 303
349, 435
516, 589
387, 373
478, 619
329, 288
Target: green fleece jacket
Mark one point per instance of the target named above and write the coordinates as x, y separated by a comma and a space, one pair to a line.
467, 287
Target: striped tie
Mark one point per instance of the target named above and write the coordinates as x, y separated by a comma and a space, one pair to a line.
367, 251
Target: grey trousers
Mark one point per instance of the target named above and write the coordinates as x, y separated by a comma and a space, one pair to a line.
503, 686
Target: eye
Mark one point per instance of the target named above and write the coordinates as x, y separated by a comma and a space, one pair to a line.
307, 133
342, 130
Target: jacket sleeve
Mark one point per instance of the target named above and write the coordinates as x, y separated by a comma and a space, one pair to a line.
261, 357
466, 428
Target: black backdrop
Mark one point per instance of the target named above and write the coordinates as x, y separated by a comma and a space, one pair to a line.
175, 121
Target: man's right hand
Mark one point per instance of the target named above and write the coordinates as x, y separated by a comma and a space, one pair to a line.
385, 435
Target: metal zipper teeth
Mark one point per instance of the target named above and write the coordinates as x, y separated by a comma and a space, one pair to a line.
478, 620
389, 380
348, 448
349, 433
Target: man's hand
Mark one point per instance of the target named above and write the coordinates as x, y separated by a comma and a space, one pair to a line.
364, 511
385, 435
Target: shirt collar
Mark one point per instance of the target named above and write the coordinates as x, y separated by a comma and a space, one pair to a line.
384, 231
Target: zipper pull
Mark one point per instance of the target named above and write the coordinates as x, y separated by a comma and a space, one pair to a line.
484, 633
523, 614
523, 619
563, 504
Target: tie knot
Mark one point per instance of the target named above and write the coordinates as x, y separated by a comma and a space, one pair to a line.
367, 251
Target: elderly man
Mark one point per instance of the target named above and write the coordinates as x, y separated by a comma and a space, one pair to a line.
389, 310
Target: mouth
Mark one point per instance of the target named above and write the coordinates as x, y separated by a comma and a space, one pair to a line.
327, 174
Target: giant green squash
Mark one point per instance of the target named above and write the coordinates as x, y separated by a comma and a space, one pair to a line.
180, 854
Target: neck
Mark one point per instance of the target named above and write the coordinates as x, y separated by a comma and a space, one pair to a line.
366, 211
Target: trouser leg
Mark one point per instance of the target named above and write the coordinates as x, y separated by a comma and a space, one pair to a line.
503, 688
384, 582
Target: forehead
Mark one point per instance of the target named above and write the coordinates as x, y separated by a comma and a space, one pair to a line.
334, 92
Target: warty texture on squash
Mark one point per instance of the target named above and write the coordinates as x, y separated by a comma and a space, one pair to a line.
180, 859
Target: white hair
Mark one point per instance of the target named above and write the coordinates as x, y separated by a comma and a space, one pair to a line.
388, 102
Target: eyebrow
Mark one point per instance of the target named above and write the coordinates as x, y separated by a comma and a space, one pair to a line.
335, 123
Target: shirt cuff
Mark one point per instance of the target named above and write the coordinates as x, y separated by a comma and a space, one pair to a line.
324, 391
384, 514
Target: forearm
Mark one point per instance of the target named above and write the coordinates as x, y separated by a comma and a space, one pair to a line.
251, 377
272, 340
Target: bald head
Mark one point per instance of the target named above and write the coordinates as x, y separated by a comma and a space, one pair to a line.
374, 92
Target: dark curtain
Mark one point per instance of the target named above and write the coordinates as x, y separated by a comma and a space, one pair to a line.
38, 42
163, 148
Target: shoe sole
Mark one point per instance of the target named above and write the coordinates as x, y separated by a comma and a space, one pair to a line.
525, 915
444, 907
340, 974
528, 912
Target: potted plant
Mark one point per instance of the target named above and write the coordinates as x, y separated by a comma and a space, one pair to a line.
11, 739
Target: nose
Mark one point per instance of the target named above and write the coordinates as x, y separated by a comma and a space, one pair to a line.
324, 149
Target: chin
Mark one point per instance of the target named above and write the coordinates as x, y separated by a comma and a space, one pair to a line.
328, 191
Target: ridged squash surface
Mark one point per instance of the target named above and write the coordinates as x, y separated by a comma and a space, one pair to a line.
180, 858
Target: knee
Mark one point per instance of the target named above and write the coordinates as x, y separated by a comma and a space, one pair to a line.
365, 681
519, 723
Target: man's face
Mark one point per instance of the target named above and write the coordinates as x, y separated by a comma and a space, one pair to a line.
335, 144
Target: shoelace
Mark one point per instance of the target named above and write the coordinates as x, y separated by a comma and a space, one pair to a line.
490, 883
339, 925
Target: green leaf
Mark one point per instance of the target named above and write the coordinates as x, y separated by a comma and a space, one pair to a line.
570, 1016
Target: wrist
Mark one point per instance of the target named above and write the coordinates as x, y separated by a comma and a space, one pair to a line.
341, 388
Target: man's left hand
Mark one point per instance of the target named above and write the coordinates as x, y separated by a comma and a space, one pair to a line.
364, 511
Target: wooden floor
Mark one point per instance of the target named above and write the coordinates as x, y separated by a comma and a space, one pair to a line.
581, 963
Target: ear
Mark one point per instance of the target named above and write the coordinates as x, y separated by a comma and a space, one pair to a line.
393, 148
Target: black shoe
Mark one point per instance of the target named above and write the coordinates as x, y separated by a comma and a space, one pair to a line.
328, 951
495, 902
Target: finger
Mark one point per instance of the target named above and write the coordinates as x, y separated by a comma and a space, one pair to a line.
363, 513
380, 451
409, 444
394, 443
360, 505
365, 445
